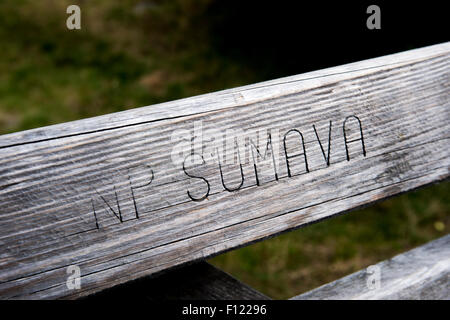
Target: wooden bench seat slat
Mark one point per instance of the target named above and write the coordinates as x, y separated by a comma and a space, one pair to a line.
419, 274
197, 281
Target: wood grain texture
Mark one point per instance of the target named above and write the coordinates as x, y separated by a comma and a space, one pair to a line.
198, 281
79, 194
419, 274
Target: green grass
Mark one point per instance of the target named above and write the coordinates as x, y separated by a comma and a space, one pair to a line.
125, 58
306, 258
120, 59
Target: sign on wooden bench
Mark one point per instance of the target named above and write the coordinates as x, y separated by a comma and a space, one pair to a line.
129, 194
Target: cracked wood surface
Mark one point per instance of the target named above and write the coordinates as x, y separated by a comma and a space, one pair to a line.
105, 194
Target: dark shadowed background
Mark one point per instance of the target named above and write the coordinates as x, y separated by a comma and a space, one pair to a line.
134, 53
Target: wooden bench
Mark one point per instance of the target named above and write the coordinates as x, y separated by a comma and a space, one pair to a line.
154, 191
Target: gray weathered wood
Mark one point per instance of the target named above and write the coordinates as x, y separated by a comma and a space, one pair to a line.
422, 273
198, 281
65, 188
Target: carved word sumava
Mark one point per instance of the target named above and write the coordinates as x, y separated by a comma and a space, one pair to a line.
289, 156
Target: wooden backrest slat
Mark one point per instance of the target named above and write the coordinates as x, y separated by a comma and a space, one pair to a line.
110, 194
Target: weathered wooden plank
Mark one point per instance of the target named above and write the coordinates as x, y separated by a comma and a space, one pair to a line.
109, 194
197, 281
419, 274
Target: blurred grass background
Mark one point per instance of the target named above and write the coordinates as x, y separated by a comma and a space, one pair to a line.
134, 53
